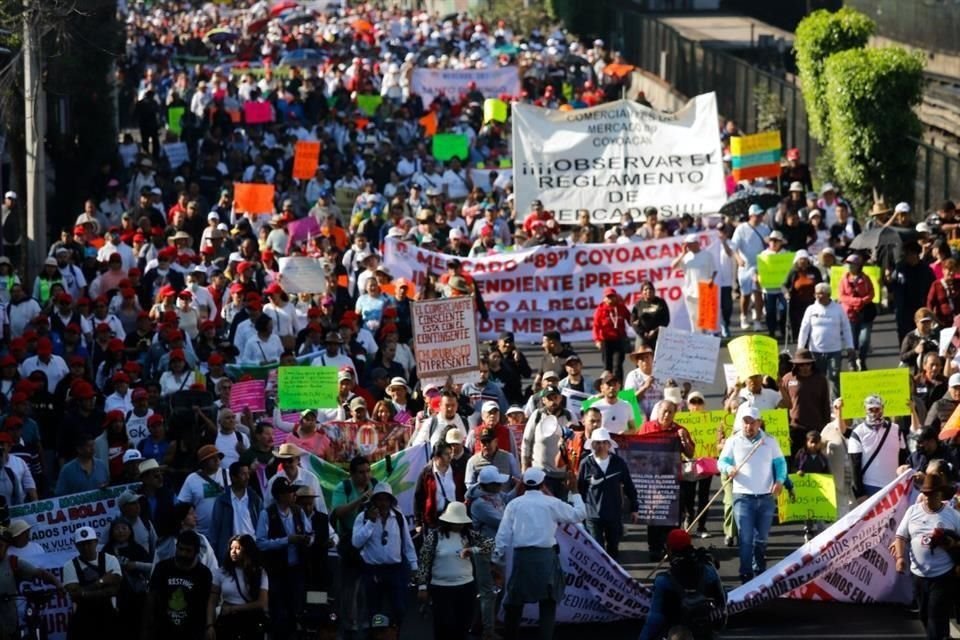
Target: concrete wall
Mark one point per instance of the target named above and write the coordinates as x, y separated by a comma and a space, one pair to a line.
658, 92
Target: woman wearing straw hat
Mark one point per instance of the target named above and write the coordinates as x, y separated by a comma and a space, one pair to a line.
446, 571
602, 477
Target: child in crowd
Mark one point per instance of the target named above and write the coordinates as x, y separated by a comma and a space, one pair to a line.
811, 459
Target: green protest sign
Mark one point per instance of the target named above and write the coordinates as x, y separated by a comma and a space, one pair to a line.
175, 118
893, 385
626, 394
369, 104
450, 145
706, 427
772, 268
307, 387
816, 499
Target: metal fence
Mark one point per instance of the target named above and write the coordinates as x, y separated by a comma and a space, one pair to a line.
692, 68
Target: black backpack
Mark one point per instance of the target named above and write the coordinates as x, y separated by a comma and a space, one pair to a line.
698, 612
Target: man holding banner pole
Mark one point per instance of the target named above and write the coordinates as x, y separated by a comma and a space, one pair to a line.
755, 463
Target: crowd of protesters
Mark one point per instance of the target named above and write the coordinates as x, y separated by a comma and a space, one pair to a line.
120, 356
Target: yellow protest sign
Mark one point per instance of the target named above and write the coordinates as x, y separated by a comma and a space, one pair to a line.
705, 428
773, 268
872, 271
755, 143
494, 110
816, 499
893, 385
752, 355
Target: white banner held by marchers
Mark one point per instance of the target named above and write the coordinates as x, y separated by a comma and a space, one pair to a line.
430, 83
682, 355
445, 340
618, 157
532, 291
300, 274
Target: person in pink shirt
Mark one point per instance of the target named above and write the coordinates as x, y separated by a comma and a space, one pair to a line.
308, 437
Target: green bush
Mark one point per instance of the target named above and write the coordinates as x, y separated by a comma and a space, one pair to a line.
818, 36
870, 96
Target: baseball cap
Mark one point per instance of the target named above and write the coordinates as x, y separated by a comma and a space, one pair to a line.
515, 409
533, 476
131, 455
489, 406
487, 433
875, 401
550, 390
126, 498
491, 475
955, 380
84, 534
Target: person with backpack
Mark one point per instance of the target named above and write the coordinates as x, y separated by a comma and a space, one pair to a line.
603, 478
349, 499
436, 487
689, 594
545, 431
383, 539
93, 580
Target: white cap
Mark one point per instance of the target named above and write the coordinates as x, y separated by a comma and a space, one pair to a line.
610, 234
533, 476
213, 215
132, 455
489, 406
876, 401
550, 374
954, 380
691, 238
801, 253
490, 475
922, 227
454, 437
84, 534
600, 435
902, 207
10, 194
749, 412
456, 234
515, 408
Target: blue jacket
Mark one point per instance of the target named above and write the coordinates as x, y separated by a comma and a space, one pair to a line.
221, 523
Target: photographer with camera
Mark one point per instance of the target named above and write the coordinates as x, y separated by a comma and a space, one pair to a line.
690, 594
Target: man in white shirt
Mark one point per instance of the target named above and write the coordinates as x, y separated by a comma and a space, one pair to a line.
332, 356
747, 242
435, 427
202, 487
230, 442
17, 485
235, 512
825, 331
753, 394
54, 367
755, 462
529, 528
617, 414
289, 456
92, 579
698, 266
876, 448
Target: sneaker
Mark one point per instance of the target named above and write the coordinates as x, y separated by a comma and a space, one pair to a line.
703, 533
730, 541
758, 326
724, 332
861, 365
744, 323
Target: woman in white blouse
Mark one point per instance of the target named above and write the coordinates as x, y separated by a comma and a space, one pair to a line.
240, 590
265, 347
446, 571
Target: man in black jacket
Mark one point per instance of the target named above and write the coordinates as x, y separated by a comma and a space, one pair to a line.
603, 475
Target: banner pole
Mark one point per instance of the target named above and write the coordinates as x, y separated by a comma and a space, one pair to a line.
719, 492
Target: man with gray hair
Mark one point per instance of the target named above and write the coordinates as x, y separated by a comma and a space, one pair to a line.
825, 331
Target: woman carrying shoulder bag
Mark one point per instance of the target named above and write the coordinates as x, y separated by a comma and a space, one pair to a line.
240, 590
446, 572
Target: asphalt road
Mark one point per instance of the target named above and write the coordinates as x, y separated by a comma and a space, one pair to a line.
779, 619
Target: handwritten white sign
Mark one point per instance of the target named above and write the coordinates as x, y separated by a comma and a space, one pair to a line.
300, 274
682, 355
176, 153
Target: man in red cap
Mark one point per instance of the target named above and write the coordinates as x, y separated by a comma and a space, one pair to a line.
795, 171
689, 595
51, 365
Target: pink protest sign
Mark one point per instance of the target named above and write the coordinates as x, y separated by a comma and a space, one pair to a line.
257, 112
249, 394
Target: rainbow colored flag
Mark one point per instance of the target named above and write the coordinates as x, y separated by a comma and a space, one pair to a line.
756, 155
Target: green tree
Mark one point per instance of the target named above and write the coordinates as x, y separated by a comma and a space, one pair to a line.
870, 97
818, 36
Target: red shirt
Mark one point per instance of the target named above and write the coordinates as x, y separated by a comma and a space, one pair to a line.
610, 321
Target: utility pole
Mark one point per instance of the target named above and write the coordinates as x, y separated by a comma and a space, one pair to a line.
35, 119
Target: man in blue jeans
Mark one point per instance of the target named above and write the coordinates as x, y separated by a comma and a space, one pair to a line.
755, 464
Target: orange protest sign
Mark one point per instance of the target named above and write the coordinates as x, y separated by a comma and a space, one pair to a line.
306, 157
253, 198
618, 70
707, 303
429, 123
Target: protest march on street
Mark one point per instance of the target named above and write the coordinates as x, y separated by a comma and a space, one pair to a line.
384, 324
